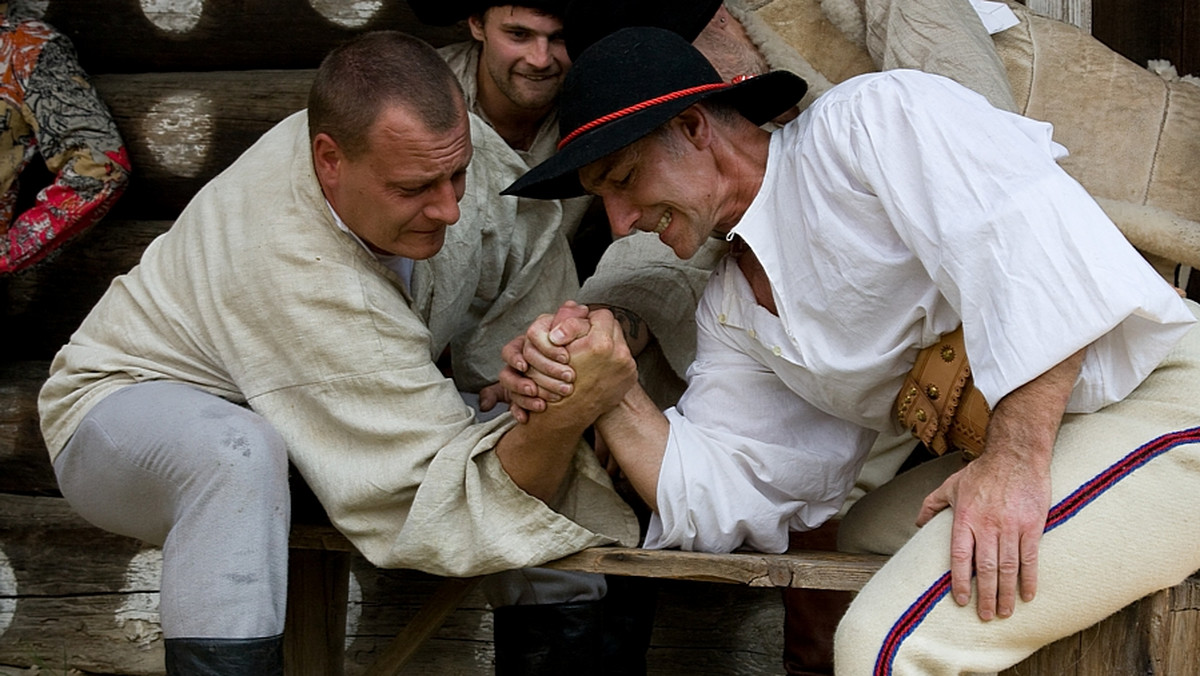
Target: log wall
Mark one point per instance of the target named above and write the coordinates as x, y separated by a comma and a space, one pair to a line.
192, 83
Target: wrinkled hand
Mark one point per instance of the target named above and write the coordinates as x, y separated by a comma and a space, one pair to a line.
604, 369
537, 369
1000, 503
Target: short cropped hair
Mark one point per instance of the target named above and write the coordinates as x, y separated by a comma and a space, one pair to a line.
359, 78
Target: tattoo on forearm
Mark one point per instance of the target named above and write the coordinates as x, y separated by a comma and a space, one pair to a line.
631, 324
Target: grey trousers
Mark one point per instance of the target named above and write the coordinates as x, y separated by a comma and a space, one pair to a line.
204, 479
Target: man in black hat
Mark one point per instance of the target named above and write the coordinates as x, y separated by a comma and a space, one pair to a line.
511, 72
899, 226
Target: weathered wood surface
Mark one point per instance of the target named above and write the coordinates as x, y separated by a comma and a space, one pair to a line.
135, 36
45, 305
71, 591
182, 129
811, 569
24, 463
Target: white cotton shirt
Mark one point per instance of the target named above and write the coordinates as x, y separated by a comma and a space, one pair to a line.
895, 208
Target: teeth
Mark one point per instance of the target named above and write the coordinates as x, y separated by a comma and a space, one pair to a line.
663, 222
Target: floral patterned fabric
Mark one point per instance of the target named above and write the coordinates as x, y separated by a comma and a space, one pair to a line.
48, 107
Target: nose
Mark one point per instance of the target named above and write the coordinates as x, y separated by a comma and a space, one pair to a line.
622, 216
539, 55
442, 206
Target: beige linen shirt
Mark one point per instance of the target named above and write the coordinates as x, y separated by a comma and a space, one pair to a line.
254, 295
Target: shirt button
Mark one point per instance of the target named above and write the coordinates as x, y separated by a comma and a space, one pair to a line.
721, 318
777, 350
753, 333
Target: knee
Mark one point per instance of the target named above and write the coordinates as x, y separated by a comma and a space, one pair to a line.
250, 457
857, 641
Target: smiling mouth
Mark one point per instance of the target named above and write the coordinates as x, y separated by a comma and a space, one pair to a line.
663, 222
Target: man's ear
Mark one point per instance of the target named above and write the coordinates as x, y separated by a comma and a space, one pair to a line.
327, 159
696, 126
475, 23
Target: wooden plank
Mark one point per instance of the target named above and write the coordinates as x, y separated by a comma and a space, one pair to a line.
315, 629
444, 601
134, 36
75, 595
24, 462
812, 569
49, 302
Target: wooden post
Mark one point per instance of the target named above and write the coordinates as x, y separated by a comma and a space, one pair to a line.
314, 635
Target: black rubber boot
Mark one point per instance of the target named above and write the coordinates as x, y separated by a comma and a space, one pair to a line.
629, 610
224, 656
554, 639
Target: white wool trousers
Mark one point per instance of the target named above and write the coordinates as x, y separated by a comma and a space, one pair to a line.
1124, 522
204, 479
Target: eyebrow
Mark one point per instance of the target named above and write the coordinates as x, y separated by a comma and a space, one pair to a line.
606, 164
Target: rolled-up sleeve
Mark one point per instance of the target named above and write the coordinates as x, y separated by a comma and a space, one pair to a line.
747, 460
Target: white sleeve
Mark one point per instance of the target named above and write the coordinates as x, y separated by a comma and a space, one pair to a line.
747, 460
1015, 244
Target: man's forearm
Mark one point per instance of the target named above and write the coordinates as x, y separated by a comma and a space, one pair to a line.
537, 455
1026, 421
636, 433
636, 332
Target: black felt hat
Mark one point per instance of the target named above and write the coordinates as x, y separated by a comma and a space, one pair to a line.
448, 12
586, 21
627, 85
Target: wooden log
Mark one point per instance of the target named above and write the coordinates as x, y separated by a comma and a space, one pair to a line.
46, 304
24, 462
78, 596
135, 36
182, 129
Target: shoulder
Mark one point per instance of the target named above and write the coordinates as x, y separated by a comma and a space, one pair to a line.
902, 88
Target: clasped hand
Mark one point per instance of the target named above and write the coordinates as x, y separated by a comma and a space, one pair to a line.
576, 356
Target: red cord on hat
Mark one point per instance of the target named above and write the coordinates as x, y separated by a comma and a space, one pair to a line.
636, 107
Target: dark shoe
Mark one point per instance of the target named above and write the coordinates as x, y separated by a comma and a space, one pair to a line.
224, 656
549, 640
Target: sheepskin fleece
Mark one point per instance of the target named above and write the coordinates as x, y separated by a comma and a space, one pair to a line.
1134, 136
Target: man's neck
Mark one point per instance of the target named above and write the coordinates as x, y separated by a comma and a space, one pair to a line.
518, 127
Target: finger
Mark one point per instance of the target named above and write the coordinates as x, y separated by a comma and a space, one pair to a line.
516, 384
569, 330
546, 368
1030, 544
986, 574
488, 399
1008, 569
537, 343
568, 310
932, 504
549, 387
962, 554
511, 353
520, 414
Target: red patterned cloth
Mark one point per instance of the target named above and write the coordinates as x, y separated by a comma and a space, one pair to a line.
48, 107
